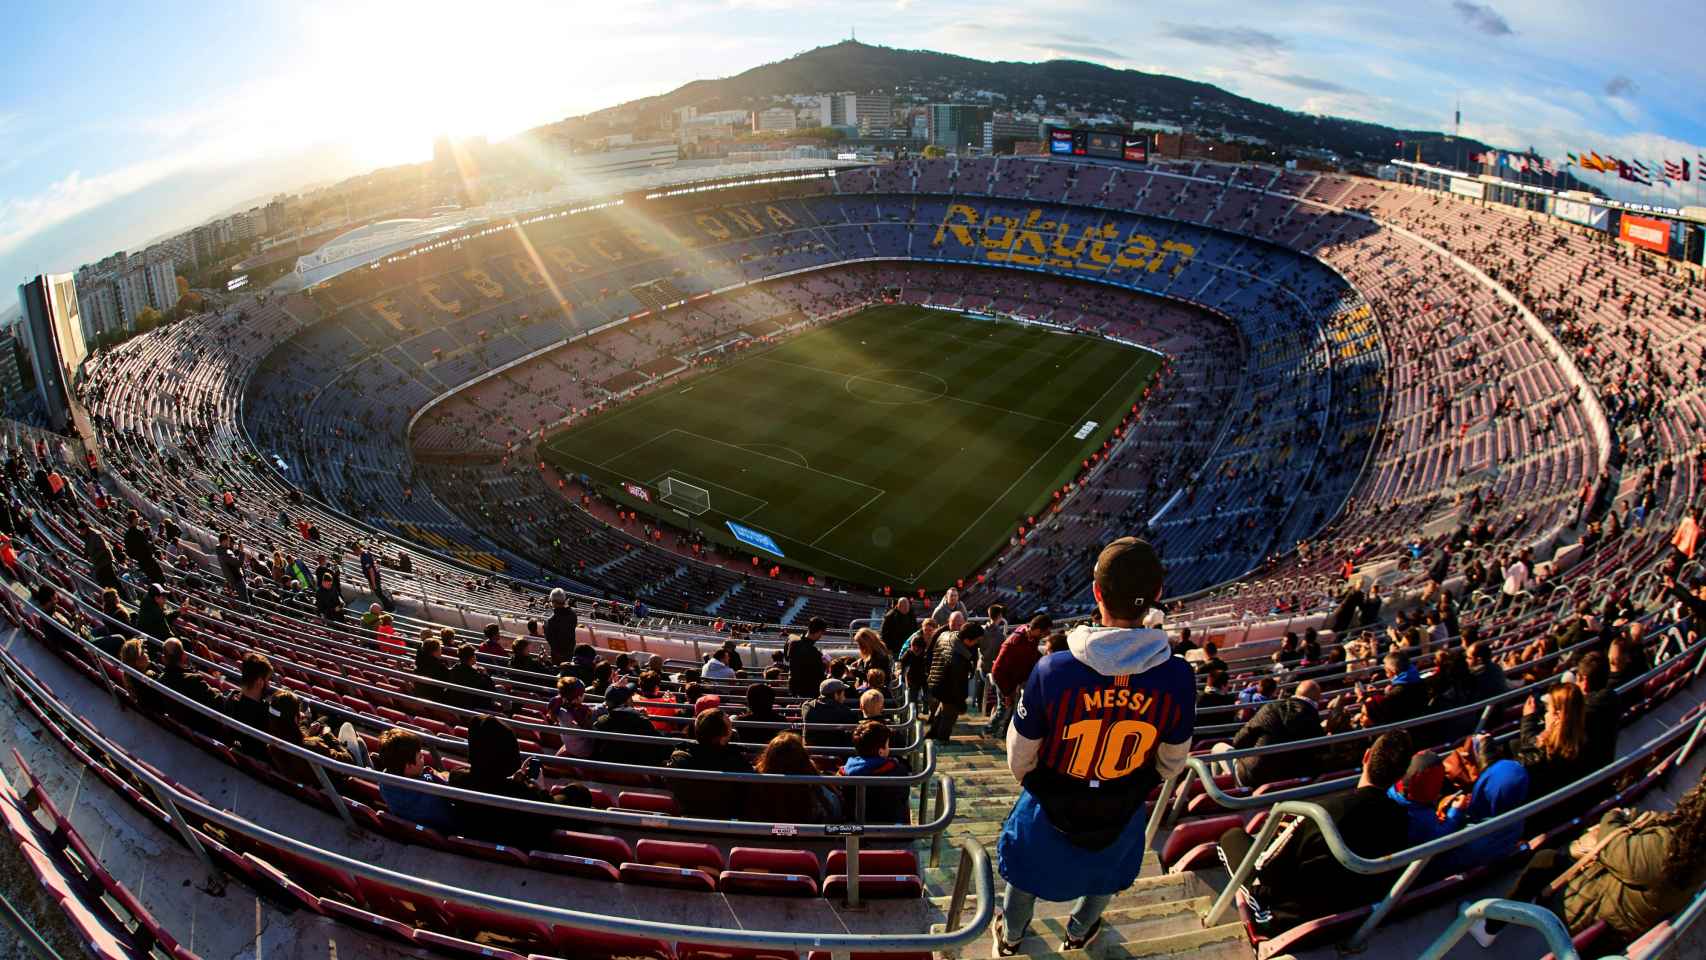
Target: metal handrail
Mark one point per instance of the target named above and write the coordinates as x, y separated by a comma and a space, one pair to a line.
326, 766
1540, 919
1201, 765
904, 716
1413, 859
973, 871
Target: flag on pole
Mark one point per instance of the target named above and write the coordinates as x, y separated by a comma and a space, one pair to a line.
1573, 161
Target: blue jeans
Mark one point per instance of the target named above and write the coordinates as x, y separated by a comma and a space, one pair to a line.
1017, 907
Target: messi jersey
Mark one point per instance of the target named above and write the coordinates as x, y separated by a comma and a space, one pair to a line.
1095, 727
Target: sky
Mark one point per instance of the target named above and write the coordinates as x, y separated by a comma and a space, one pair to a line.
123, 122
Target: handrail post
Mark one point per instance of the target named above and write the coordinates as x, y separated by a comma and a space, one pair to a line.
1359, 940
1536, 918
852, 870
1688, 747
1247, 866
215, 877
936, 838
1159, 810
1181, 797
332, 794
957, 900
1486, 718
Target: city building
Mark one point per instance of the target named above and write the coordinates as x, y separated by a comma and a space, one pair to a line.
53, 331
869, 112
954, 126
775, 118
1003, 129
11, 373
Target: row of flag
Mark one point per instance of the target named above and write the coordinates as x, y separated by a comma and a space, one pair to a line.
1657, 173
1648, 174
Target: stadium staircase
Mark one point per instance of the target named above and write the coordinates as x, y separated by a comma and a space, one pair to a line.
793, 610
1158, 916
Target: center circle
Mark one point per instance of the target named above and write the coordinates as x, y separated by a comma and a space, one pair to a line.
896, 387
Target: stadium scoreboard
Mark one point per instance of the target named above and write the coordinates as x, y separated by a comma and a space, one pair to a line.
1097, 144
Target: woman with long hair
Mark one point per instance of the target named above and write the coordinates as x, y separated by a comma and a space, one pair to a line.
872, 653
786, 754
1640, 870
1551, 747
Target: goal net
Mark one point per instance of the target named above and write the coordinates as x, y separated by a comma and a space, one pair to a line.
684, 496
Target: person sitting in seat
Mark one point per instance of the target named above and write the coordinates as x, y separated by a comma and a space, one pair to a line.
829, 707
620, 716
1405, 696
791, 803
429, 665
710, 750
871, 759
522, 657
1501, 785
717, 665
1640, 870
568, 710
249, 704
287, 724
467, 673
1298, 878
400, 753
1295, 718
1551, 744
495, 766
760, 708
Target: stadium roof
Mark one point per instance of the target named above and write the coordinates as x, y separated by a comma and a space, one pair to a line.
372, 242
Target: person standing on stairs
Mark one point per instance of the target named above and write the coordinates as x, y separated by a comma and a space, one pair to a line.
1097, 727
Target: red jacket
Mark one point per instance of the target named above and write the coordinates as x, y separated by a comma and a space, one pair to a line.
1016, 659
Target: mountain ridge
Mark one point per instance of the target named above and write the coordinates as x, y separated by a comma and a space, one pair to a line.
850, 65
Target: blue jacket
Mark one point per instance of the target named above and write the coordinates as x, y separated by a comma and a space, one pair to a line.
1501, 787
426, 809
1424, 823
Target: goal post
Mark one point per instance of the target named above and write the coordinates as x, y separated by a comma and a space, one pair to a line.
684, 496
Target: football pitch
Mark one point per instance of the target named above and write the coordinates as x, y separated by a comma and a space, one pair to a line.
900, 446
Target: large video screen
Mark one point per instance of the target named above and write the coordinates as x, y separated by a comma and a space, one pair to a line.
1098, 144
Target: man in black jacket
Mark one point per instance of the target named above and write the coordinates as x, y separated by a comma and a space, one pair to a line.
1297, 877
619, 716
805, 660
1280, 721
560, 628
467, 674
950, 678
898, 624
829, 707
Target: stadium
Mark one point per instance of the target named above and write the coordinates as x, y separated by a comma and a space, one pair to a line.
1410, 460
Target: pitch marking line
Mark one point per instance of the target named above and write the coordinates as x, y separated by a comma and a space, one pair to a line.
946, 396
762, 503
636, 447
1028, 470
754, 453
850, 516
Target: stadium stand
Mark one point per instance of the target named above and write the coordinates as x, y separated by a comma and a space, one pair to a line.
1416, 462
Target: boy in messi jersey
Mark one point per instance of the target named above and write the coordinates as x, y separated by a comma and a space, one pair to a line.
1098, 726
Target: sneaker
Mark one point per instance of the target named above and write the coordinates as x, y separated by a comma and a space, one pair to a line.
1482, 935
1078, 943
1002, 947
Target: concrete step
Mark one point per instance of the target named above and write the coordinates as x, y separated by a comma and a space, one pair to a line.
1150, 930
1151, 887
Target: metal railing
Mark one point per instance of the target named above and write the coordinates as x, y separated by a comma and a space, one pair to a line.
1540, 919
974, 875
1170, 803
326, 769
1414, 859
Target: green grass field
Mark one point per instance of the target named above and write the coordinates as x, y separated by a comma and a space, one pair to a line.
898, 446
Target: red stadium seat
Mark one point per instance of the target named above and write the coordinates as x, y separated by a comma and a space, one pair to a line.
648, 802
874, 861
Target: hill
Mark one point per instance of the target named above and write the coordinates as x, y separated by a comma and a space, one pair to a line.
1091, 87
